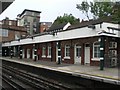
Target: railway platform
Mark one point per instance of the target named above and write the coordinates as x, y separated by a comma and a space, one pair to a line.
109, 75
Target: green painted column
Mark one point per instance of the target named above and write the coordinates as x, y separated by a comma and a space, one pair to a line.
59, 52
5, 52
102, 51
35, 52
11, 51
20, 50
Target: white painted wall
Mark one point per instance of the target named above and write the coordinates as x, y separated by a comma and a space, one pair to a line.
105, 25
66, 26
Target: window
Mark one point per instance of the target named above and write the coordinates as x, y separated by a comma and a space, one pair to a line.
4, 33
10, 22
78, 49
17, 35
67, 51
113, 45
43, 51
49, 51
113, 53
96, 50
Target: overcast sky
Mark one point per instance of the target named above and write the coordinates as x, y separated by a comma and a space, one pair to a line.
50, 8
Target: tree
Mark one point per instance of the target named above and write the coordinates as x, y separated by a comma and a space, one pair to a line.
84, 7
116, 12
101, 9
98, 9
66, 18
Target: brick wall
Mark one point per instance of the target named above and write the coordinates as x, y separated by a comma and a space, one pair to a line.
53, 57
46, 58
107, 61
9, 22
82, 42
43, 28
118, 52
11, 35
65, 60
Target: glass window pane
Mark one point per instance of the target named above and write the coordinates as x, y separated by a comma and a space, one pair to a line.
96, 50
49, 51
77, 52
67, 50
43, 51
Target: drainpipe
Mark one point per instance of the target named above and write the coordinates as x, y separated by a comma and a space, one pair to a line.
102, 49
59, 52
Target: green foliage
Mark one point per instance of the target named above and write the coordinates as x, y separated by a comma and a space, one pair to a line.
66, 18
116, 12
84, 7
100, 9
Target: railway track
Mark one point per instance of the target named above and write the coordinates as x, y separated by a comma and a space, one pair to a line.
10, 83
35, 81
44, 79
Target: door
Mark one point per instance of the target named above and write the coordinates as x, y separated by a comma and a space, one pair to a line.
87, 54
28, 53
77, 54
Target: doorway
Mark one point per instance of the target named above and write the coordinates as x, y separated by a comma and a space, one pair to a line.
77, 51
87, 54
28, 53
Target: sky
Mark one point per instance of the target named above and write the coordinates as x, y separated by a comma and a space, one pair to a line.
50, 9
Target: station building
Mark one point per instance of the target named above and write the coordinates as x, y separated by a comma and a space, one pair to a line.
88, 43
